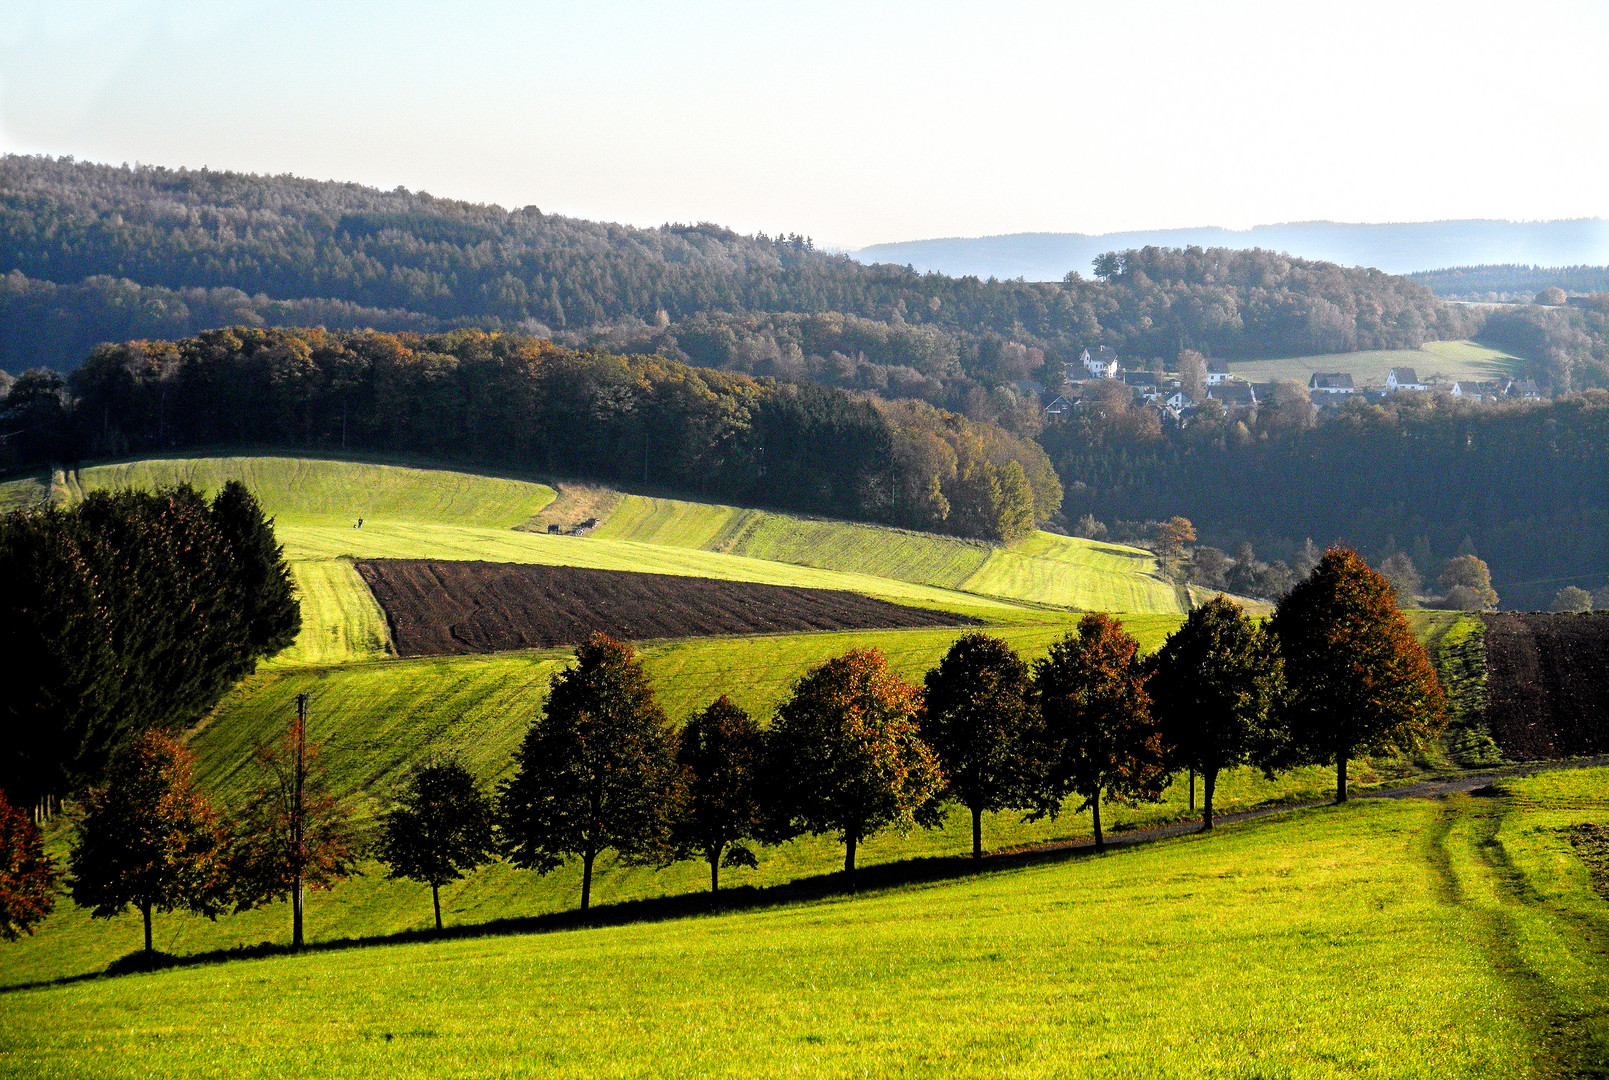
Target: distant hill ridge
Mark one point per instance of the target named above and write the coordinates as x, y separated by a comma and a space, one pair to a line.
1401, 248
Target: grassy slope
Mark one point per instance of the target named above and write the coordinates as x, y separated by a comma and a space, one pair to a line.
1454, 359
1380, 939
1045, 568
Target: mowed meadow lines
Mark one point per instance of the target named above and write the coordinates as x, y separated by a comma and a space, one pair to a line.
1321, 943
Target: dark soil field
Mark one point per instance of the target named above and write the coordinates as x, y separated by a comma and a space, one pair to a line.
1547, 683
452, 608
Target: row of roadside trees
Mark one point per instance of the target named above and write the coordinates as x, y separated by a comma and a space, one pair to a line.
855, 749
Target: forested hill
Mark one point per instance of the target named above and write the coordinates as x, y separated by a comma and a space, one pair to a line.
94, 253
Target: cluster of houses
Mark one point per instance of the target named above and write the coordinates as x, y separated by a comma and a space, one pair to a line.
1327, 390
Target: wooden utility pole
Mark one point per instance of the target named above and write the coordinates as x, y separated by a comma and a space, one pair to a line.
298, 826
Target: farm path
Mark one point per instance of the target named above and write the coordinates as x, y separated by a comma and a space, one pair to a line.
1435, 788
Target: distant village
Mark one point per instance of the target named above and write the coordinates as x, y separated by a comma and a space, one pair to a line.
1170, 394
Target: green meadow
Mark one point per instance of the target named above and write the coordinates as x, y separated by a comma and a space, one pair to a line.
1386, 938
1453, 359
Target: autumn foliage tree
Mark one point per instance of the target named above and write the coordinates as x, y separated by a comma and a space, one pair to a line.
1214, 686
977, 715
148, 839
441, 827
596, 772
27, 874
845, 755
1097, 733
720, 751
297, 831
1358, 680
1466, 583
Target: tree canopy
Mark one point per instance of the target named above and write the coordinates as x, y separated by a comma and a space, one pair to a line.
721, 753
441, 827
28, 875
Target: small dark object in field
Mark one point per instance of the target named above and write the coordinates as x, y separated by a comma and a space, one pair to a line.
454, 608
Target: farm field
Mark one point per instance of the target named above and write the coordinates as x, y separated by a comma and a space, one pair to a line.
1388, 938
1454, 359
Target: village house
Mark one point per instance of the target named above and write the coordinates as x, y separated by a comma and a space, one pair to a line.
1525, 390
1141, 381
1218, 372
1058, 408
1403, 378
1101, 365
1234, 395
1179, 400
1480, 391
1334, 382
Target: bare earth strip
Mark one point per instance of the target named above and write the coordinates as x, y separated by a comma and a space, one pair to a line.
455, 608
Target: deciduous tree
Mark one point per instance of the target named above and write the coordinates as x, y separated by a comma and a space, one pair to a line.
148, 839
1099, 738
297, 831
1358, 681
720, 751
845, 755
1214, 687
1572, 598
596, 772
978, 717
27, 874
440, 828
1466, 582
1169, 537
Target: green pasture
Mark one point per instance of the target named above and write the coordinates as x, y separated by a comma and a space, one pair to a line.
1453, 359
1407, 938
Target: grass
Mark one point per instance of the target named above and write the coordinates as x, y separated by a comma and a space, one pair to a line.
1381, 939
1045, 568
1462, 360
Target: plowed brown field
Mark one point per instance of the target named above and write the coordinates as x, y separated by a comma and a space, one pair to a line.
450, 608
1547, 683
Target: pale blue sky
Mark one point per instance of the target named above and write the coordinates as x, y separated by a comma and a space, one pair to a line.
853, 122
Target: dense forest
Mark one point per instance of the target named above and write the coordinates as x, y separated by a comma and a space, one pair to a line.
527, 403
1524, 486
1511, 282
100, 253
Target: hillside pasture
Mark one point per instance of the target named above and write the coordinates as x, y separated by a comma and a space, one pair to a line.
1392, 938
1463, 360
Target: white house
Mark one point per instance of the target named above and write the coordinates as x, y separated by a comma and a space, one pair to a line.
1525, 390
1179, 400
1335, 382
1404, 378
1102, 365
1218, 372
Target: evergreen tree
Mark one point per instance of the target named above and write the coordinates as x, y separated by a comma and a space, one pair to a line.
258, 577
1214, 686
845, 755
1359, 681
1096, 726
596, 772
440, 829
720, 752
978, 716
148, 839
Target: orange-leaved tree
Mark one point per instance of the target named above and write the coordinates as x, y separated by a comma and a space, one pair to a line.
844, 755
148, 839
27, 874
1358, 681
297, 831
1096, 722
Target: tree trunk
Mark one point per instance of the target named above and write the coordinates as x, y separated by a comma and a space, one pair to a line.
715, 871
435, 900
1193, 791
849, 859
296, 912
586, 878
977, 832
145, 909
1095, 805
1340, 777
1209, 780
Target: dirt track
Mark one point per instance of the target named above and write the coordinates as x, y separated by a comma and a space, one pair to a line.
1547, 683
454, 608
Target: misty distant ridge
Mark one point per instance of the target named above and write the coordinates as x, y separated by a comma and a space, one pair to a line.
1402, 248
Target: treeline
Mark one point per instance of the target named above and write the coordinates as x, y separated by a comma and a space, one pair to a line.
1525, 486
363, 257
1511, 281
854, 750
527, 403
127, 612
1562, 348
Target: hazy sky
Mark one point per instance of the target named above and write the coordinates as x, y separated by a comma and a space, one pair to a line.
853, 122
